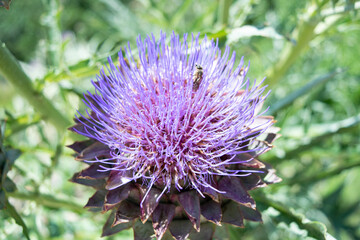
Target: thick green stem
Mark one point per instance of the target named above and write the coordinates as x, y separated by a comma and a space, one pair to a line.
303, 35
53, 33
290, 98
48, 201
11, 70
323, 175
223, 12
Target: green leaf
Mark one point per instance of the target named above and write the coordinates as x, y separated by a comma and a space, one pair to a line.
49, 201
2, 162
11, 211
322, 175
82, 69
290, 98
315, 229
319, 133
334, 2
9, 185
350, 5
2, 132
19, 123
179, 14
2, 199
117, 8
10, 157
246, 31
198, 22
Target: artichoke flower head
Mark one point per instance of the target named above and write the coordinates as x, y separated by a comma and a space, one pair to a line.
173, 140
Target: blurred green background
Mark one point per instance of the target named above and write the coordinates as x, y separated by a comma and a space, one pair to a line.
308, 50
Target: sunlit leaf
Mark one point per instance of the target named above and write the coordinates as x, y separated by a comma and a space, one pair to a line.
234, 35
290, 98
11, 211
319, 133
315, 229
323, 175
179, 15
340, 214
117, 9
84, 68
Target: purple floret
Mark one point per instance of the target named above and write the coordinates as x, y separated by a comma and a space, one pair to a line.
164, 131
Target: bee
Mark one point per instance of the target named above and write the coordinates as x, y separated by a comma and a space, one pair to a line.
241, 73
197, 76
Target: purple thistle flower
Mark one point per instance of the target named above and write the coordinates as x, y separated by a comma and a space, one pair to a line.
175, 133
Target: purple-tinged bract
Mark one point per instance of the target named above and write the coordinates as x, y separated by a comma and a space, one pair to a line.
174, 134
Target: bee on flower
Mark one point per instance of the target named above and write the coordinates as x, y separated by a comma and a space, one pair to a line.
197, 77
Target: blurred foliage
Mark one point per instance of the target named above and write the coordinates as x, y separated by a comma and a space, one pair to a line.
308, 49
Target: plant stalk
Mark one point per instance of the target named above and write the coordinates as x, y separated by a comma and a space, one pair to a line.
12, 71
223, 12
48, 201
303, 35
